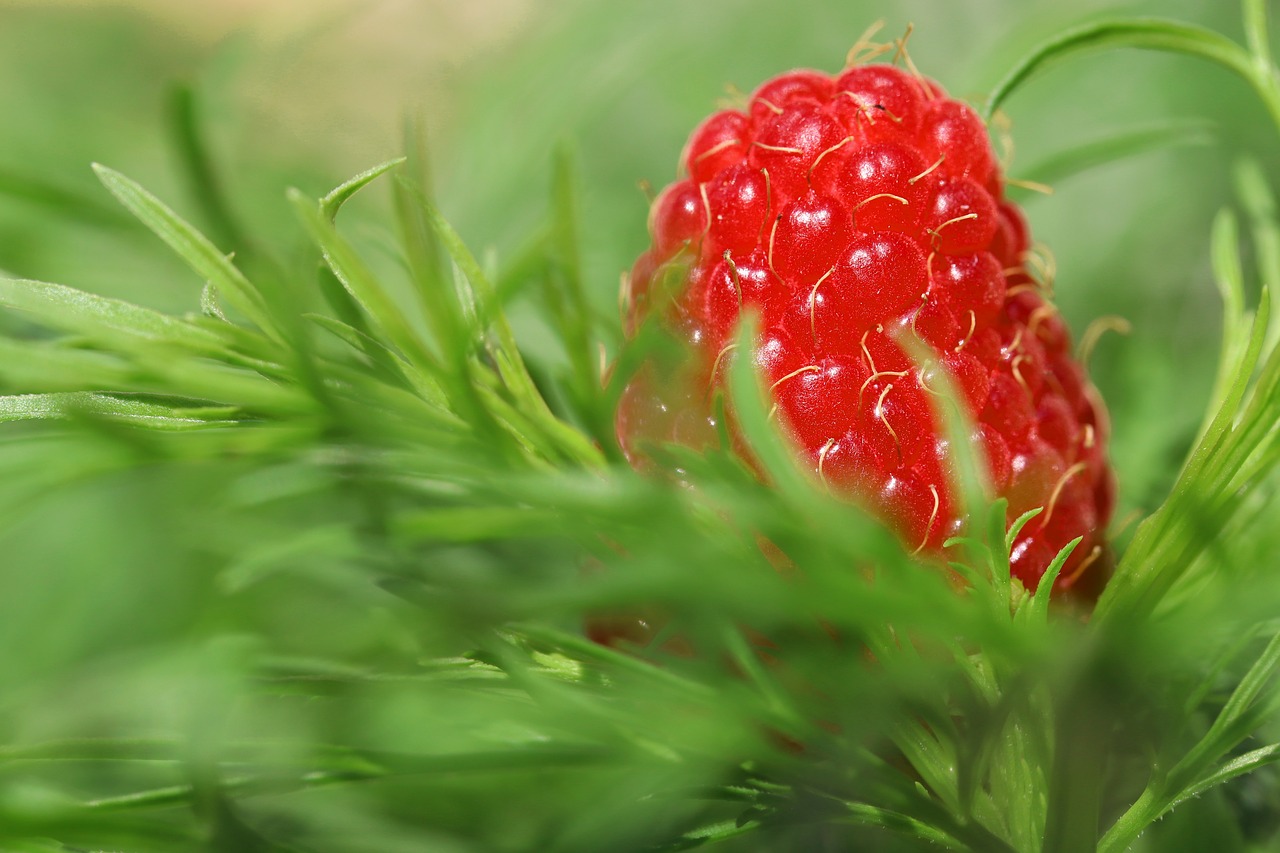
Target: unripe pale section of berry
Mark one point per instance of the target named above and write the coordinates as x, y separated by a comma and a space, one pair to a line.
851, 212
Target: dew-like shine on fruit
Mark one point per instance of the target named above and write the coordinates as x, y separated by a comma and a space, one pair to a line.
849, 212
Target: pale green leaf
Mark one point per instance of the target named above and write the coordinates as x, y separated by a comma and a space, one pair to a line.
194, 248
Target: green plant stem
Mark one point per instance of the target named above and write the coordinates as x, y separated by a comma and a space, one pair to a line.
1255, 31
1254, 64
206, 187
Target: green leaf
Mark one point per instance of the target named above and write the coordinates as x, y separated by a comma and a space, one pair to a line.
755, 422
1016, 528
333, 201
193, 247
1168, 542
966, 478
393, 367
1254, 190
997, 539
566, 296
424, 254
581, 648
478, 293
193, 152
1236, 322
1038, 610
387, 317
710, 834
1242, 701
1254, 66
1238, 446
1247, 763
105, 319
361, 342
542, 432
26, 366
867, 815
135, 412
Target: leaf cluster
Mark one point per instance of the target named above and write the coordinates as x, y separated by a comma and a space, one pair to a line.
372, 527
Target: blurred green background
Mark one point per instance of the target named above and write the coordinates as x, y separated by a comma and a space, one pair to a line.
107, 581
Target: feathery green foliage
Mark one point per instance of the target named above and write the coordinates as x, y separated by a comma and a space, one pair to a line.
352, 528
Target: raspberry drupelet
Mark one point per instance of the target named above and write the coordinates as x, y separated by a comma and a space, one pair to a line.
848, 212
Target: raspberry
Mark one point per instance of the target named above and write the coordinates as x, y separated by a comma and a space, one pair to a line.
848, 211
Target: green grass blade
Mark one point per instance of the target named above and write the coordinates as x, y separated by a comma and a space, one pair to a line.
392, 366
386, 316
1254, 190
752, 410
1247, 763
425, 256
339, 299
906, 825
1016, 528
135, 412
566, 294
193, 153
193, 247
1243, 698
579, 647
1229, 278
1038, 610
26, 366
712, 833
105, 319
477, 291
1167, 543
338, 196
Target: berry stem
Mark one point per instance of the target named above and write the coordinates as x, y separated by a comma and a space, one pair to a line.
1254, 64
1255, 31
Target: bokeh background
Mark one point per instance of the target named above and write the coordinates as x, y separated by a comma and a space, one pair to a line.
104, 579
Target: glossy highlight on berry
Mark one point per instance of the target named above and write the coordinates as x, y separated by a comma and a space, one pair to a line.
851, 211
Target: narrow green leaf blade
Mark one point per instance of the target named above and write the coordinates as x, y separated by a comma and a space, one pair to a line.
191, 146
1228, 276
57, 406
1039, 609
338, 196
361, 283
575, 318
100, 317
193, 247
1249, 762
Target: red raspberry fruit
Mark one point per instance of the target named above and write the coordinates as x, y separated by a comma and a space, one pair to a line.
846, 211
